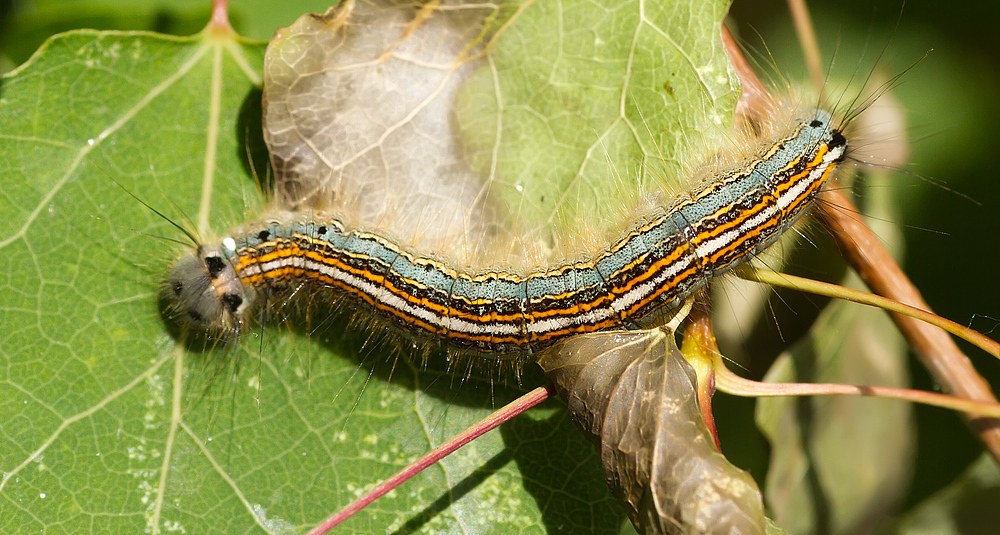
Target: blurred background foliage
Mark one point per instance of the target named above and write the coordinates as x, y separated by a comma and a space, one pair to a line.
949, 199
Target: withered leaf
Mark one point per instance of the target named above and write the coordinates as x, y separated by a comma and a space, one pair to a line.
635, 395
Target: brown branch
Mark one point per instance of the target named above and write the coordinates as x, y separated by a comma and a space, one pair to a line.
755, 100
950, 367
865, 253
807, 36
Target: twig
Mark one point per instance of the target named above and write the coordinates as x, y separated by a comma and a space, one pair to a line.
864, 252
878, 269
489, 423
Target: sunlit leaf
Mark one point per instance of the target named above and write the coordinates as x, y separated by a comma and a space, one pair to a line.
111, 426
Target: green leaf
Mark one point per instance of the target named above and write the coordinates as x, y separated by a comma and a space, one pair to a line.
29, 24
89, 372
967, 506
610, 110
839, 464
112, 426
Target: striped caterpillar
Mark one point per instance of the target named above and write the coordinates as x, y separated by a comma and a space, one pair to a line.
655, 266
80, 374
308, 251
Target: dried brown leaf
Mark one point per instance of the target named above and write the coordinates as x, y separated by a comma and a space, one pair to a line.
635, 395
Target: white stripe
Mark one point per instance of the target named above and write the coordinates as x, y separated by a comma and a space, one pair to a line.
709, 247
638, 293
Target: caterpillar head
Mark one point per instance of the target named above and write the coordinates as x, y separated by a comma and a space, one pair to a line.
205, 295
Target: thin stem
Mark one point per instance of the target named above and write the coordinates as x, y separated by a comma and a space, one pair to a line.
785, 280
945, 361
879, 270
700, 348
730, 383
219, 23
807, 39
489, 423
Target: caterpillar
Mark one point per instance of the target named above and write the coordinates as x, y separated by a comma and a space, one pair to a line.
656, 265
88, 372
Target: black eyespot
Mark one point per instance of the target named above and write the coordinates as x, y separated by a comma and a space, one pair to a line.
321, 230
232, 301
838, 140
215, 266
195, 316
816, 123
178, 288
264, 235
428, 267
